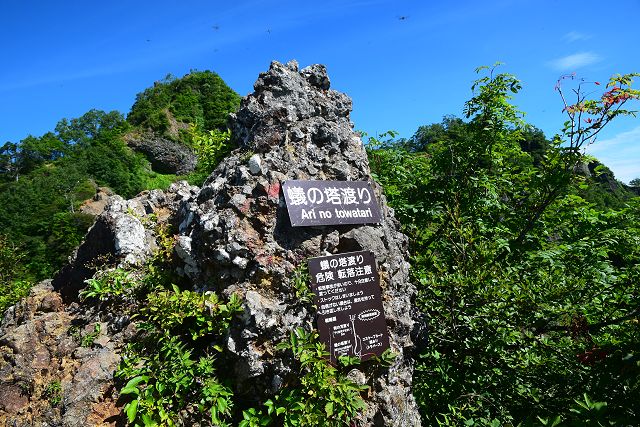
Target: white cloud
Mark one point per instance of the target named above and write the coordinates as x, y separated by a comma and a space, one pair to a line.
574, 36
575, 61
621, 154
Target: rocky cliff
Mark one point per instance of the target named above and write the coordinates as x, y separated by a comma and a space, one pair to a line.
233, 237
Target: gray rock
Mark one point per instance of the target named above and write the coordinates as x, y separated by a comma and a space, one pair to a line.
124, 234
255, 164
165, 155
298, 129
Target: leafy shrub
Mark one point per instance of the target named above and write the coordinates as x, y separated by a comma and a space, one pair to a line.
12, 287
165, 377
323, 397
199, 314
107, 284
155, 180
526, 288
210, 146
165, 373
13, 291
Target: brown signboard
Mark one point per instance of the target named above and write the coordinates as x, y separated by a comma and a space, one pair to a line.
330, 202
350, 319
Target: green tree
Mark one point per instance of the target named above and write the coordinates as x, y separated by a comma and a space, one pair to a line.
9, 164
90, 127
12, 283
527, 290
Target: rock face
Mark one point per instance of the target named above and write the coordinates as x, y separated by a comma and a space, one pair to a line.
96, 205
119, 235
166, 156
235, 235
47, 376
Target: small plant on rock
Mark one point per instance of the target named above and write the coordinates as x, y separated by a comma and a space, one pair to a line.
171, 371
53, 393
323, 397
300, 281
107, 284
88, 339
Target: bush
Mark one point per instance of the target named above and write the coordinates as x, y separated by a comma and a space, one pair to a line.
527, 290
12, 286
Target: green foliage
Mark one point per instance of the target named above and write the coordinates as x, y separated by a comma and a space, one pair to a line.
107, 284
585, 412
88, 339
10, 257
165, 372
175, 311
12, 286
39, 209
404, 176
166, 380
94, 125
35, 206
602, 189
154, 180
210, 146
386, 359
53, 392
199, 97
12, 292
29, 154
301, 283
528, 290
323, 397
635, 182
169, 372
67, 231
48, 177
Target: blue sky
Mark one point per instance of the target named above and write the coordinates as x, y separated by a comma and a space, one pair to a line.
404, 63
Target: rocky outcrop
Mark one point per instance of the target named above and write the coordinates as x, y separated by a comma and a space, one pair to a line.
235, 236
59, 356
165, 155
120, 235
97, 204
49, 375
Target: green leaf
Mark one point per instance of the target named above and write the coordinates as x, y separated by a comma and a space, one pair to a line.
131, 386
328, 408
132, 410
148, 421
